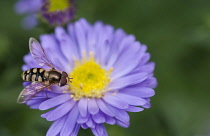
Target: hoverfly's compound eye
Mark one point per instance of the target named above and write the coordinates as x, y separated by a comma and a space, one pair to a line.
64, 74
63, 81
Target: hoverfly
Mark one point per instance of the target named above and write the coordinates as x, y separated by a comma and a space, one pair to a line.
40, 78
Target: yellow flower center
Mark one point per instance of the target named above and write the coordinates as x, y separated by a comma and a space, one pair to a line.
55, 5
89, 79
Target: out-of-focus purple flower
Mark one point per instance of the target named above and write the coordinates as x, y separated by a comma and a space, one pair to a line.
111, 75
54, 12
58, 12
30, 8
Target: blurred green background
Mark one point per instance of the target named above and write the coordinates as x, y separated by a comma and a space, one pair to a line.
178, 36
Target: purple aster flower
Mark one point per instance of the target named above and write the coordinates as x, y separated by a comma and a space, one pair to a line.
54, 12
111, 77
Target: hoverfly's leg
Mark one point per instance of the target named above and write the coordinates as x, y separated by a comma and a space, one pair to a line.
45, 93
66, 89
48, 88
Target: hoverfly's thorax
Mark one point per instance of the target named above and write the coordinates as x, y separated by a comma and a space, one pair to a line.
54, 77
46, 74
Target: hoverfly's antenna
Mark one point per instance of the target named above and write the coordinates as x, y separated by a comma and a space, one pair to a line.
70, 79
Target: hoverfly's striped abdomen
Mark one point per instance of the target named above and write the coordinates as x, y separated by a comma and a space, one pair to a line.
34, 74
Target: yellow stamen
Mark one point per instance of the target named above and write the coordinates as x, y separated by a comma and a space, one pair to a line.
89, 79
58, 5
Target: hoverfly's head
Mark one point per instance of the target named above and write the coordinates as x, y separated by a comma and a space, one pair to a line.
64, 79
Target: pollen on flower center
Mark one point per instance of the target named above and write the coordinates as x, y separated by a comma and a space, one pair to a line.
55, 5
89, 79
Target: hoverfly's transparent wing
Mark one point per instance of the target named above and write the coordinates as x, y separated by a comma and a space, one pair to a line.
30, 91
38, 53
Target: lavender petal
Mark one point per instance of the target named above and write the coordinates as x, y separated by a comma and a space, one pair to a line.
54, 101
82, 119
104, 108
60, 111
147, 105
115, 101
150, 82
82, 106
56, 127
46, 114
128, 54
142, 92
123, 124
65, 40
131, 100
99, 130
110, 120
98, 118
84, 126
127, 81
121, 115
76, 130
70, 122
90, 123
93, 107
134, 109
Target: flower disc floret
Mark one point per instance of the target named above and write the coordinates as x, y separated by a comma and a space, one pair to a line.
90, 79
58, 5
